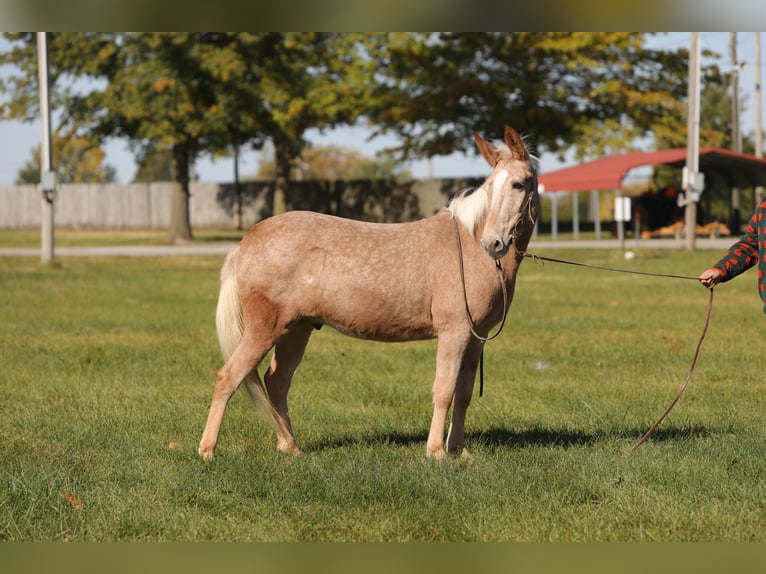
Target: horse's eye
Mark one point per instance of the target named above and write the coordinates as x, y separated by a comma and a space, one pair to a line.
517, 185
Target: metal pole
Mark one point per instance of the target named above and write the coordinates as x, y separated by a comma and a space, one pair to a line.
575, 215
47, 179
758, 118
736, 138
692, 142
619, 219
595, 205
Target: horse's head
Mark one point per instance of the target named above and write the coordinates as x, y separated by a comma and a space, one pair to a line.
511, 193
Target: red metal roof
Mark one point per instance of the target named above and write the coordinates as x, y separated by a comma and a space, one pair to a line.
720, 166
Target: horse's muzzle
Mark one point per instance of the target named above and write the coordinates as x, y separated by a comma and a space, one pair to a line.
496, 248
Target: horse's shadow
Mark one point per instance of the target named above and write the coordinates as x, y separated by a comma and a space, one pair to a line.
499, 437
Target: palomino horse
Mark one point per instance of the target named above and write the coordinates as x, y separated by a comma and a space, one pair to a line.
387, 282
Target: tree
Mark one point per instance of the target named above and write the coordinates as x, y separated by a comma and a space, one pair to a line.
314, 80
597, 92
333, 162
189, 92
74, 161
154, 165
193, 93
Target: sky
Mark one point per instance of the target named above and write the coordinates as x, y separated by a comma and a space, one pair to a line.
17, 139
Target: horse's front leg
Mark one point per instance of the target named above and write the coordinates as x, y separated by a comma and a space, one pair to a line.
463, 393
449, 358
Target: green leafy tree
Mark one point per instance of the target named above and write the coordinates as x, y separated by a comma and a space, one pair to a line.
596, 92
314, 80
189, 92
196, 93
74, 161
333, 162
192, 93
154, 165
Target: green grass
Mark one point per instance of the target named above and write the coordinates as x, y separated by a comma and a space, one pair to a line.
98, 237
107, 367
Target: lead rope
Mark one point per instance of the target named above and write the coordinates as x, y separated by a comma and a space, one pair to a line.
688, 377
501, 275
696, 351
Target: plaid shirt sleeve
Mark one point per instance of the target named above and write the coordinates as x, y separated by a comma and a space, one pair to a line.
748, 251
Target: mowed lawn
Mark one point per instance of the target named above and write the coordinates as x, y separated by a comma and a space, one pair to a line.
107, 368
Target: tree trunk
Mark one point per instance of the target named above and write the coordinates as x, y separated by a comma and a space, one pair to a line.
180, 222
237, 192
282, 183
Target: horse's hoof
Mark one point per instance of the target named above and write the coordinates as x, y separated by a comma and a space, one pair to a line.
206, 454
290, 448
436, 454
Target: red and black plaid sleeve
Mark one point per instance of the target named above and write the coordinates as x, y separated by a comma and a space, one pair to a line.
748, 251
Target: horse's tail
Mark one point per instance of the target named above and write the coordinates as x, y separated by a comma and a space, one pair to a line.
228, 314
230, 326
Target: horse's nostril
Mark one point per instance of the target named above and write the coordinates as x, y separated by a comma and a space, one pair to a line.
495, 248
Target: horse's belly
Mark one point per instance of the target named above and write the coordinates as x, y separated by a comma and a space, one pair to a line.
383, 332
377, 320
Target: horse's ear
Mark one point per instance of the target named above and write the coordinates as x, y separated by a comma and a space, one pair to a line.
515, 144
488, 151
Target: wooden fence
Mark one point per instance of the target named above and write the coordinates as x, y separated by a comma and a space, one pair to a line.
214, 205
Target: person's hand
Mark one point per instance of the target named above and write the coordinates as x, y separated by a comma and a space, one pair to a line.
710, 277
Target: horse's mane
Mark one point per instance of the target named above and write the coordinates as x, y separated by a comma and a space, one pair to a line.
470, 206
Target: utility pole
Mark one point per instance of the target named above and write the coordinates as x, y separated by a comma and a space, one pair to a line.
736, 139
693, 182
758, 118
47, 176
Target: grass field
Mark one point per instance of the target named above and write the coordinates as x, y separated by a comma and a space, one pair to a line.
100, 237
107, 367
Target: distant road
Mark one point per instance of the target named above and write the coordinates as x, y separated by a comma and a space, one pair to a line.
223, 248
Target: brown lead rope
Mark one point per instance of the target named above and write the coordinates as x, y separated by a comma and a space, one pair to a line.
696, 351
554, 260
688, 376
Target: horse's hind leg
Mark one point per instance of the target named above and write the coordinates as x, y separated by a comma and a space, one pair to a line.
463, 392
288, 352
242, 363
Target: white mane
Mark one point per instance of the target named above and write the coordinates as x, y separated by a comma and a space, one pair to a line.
469, 207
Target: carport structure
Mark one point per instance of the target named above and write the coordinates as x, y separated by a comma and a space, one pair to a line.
722, 168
